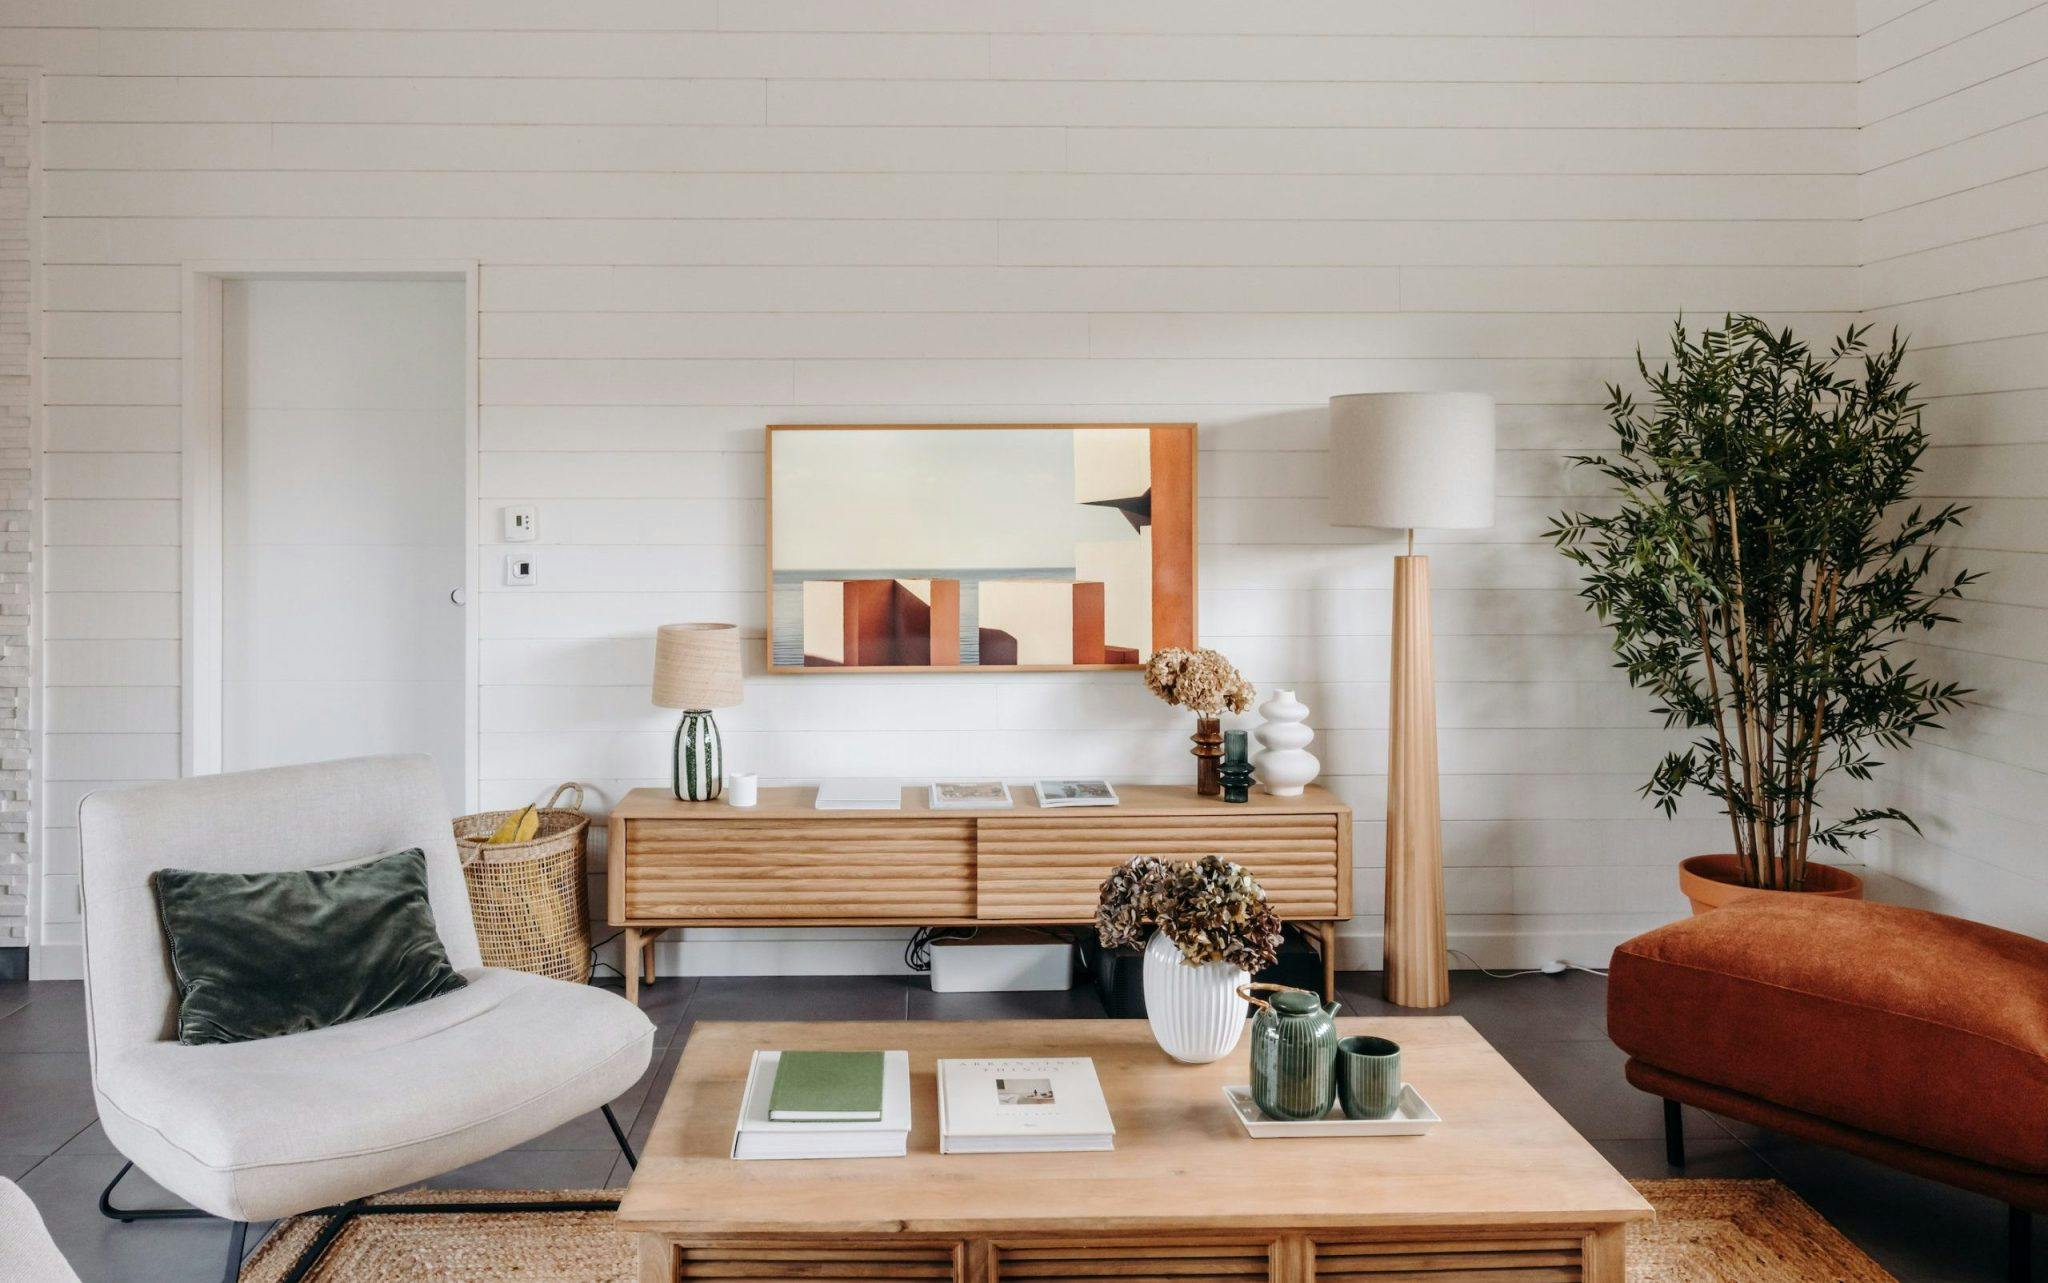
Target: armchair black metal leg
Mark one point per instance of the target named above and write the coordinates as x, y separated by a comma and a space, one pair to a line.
309, 1256
2019, 1245
238, 1238
126, 1215
619, 1135
339, 1216
1674, 1134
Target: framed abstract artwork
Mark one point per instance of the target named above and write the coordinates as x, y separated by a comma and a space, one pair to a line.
959, 547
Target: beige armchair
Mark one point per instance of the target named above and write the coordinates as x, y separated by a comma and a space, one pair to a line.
259, 1130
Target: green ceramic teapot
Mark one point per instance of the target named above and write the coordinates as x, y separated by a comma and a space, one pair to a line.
1294, 1053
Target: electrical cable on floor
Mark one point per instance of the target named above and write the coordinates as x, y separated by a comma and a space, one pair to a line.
1554, 970
596, 965
917, 952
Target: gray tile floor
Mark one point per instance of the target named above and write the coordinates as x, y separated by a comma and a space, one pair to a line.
1550, 1028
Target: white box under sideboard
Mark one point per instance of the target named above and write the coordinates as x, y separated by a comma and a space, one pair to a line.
1002, 960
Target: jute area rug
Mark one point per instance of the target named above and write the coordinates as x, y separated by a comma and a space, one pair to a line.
1705, 1232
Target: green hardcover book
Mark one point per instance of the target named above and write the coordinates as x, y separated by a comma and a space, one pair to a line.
827, 1087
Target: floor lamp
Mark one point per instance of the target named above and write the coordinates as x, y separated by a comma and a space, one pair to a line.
1402, 460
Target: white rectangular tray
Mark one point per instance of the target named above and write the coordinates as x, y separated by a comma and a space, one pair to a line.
1412, 1116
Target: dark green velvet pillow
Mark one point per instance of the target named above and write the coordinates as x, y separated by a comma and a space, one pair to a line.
263, 954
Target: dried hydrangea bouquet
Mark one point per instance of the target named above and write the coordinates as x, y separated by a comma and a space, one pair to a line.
1206, 684
1206, 928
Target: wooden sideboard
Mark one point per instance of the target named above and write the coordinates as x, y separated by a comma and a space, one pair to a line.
674, 864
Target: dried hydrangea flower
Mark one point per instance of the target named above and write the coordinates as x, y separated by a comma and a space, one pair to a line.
1129, 905
1212, 909
1216, 911
1202, 681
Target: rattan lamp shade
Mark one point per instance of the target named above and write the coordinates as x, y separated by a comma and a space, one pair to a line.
697, 666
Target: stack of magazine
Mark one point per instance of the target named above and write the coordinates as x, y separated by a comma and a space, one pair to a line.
825, 1104
1021, 1106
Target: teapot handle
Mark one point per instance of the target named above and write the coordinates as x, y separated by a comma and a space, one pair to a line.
1244, 991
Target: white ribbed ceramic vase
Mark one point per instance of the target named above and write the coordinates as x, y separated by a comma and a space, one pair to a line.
1284, 764
1195, 1012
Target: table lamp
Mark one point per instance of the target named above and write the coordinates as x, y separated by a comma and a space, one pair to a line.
697, 669
1403, 460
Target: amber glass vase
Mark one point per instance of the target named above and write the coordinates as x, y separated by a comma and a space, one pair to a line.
1208, 750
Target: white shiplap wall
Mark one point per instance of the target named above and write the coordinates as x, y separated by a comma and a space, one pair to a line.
1954, 204
698, 217
18, 395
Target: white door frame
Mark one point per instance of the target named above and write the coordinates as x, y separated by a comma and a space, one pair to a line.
201, 510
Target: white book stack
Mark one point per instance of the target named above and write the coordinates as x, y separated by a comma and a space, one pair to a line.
1022, 1105
758, 1136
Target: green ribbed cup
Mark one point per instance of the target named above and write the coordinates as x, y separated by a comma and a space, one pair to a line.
1368, 1076
1294, 1056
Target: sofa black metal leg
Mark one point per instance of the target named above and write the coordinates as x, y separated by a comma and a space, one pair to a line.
2019, 1245
238, 1238
1674, 1134
619, 1135
127, 1214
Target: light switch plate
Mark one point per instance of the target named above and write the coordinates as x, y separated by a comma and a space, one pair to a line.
522, 523
519, 572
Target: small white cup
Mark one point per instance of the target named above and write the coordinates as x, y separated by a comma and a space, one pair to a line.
742, 790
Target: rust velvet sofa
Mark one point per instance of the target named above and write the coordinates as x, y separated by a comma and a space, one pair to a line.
1909, 1038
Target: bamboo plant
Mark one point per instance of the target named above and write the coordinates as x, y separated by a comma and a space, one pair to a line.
1758, 571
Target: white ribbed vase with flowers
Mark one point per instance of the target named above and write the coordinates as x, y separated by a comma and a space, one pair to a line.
1195, 1012
1205, 928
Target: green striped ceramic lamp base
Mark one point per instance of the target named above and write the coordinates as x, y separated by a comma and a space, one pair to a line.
700, 757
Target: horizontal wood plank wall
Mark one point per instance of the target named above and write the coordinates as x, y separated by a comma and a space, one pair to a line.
697, 217
1954, 207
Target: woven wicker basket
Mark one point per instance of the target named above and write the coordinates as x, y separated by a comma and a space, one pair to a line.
530, 899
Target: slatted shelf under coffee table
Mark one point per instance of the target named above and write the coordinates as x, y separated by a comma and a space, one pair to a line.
1502, 1190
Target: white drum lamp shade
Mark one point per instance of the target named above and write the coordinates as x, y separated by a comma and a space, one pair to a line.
1412, 460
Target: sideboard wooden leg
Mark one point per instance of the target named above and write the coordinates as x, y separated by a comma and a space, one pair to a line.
647, 957
1328, 932
1605, 1260
629, 963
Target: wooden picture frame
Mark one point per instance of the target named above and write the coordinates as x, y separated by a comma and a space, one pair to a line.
874, 602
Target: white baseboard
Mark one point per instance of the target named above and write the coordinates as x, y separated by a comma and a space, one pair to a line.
56, 962
1361, 951
1499, 950
812, 957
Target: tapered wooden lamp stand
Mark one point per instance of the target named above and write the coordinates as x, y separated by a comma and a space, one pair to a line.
1417, 968
1408, 459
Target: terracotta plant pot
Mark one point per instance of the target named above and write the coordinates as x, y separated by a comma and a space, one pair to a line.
1710, 881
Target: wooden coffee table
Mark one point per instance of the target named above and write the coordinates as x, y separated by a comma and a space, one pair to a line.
1503, 1189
